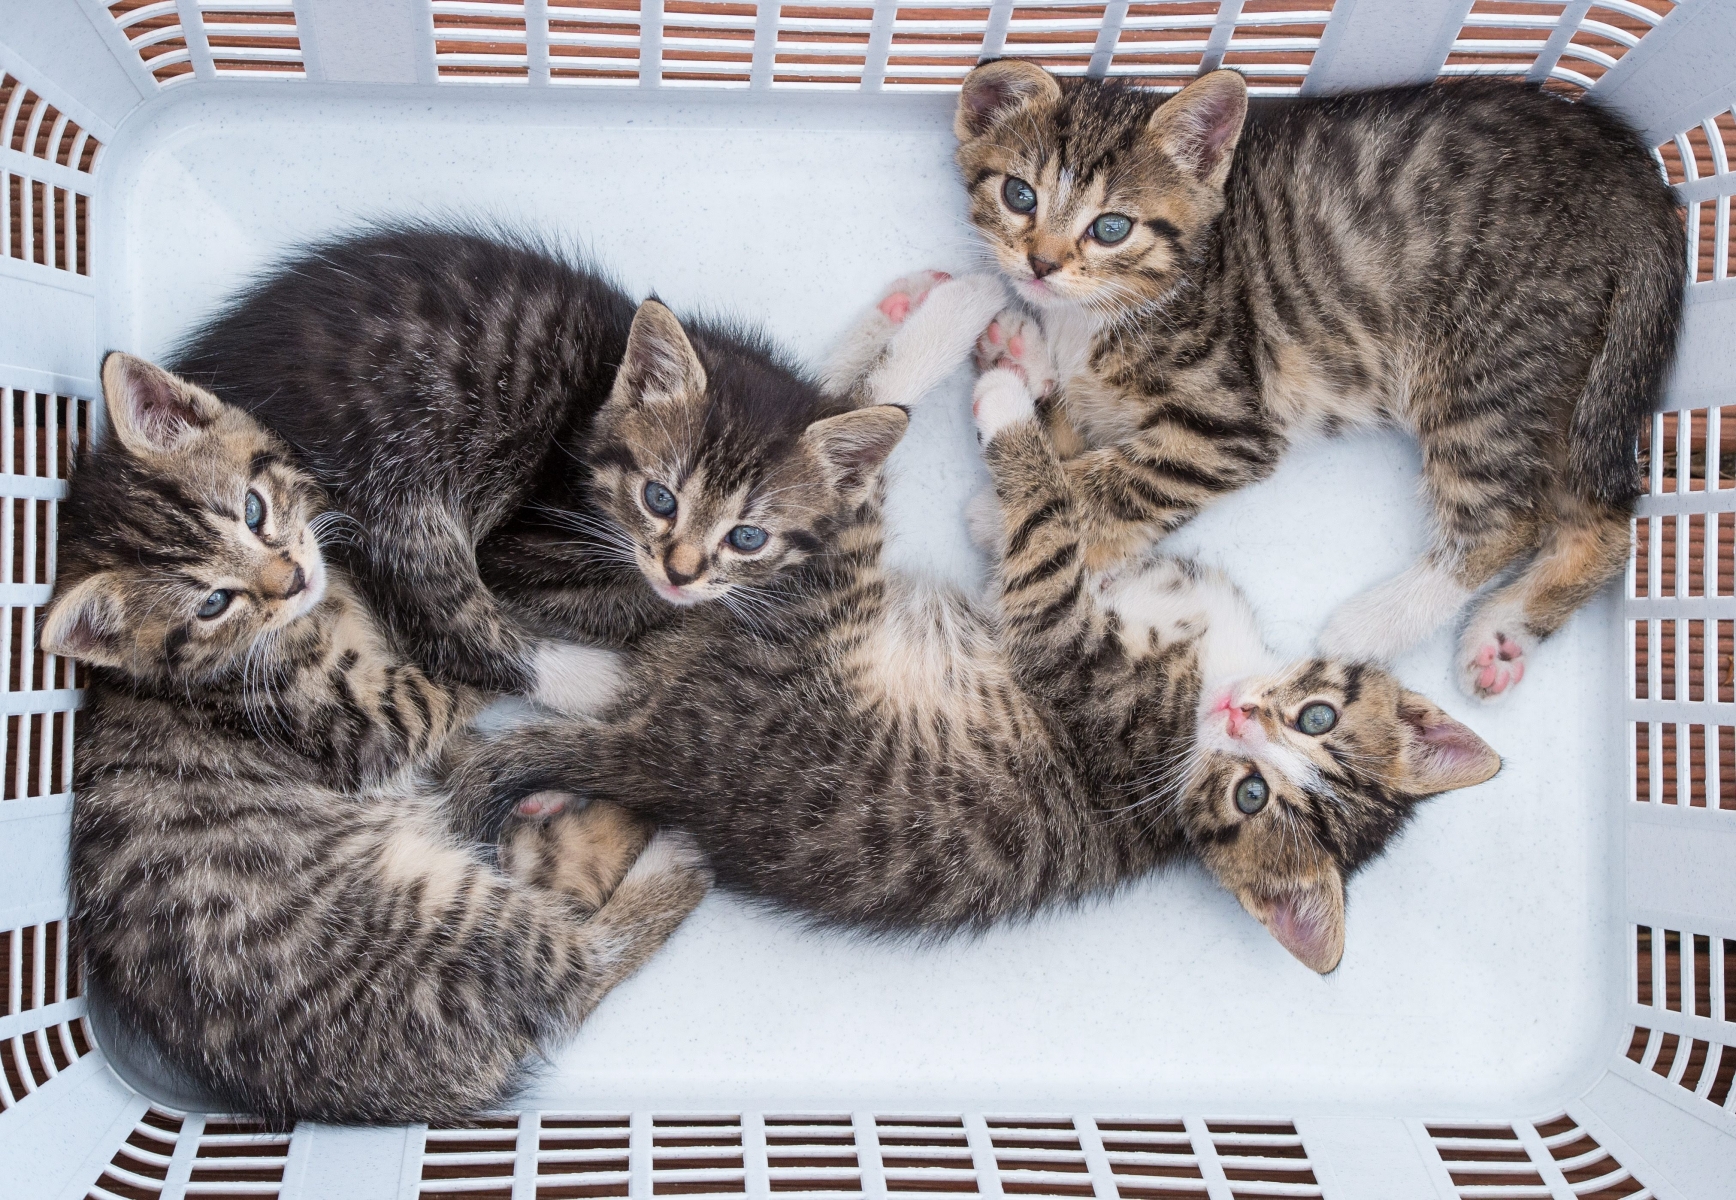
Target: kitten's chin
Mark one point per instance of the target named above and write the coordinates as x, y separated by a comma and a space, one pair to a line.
1040, 293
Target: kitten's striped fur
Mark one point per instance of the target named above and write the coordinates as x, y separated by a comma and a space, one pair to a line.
1490, 267
266, 881
877, 751
484, 411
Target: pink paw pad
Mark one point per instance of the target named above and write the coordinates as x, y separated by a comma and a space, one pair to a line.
899, 305
1502, 665
896, 307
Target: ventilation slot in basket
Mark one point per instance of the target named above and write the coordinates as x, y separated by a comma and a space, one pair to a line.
1257, 1154
475, 1160
40, 434
813, 1156
1699, 161
1681, 617
45, 203
38, 1038
1688, 981
1151, 1159
926, 1155
1522, 38
239, 38
140, 1168
581, 1156
238, 1156
1551, 1158
1036, 1157
696, 1156
923, 45
481, 40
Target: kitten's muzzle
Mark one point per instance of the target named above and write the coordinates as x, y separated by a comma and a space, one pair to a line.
1042, 268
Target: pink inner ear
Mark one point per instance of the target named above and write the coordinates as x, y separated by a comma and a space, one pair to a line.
1304, 925
1452, 755
160, 411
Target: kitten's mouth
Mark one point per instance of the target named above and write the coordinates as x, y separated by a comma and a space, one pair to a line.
315, 589
681, 597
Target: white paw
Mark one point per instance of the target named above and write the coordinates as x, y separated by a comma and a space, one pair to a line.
983, 519
1492, 654
1014, 341
906, 295
1001, 399
577, 680
671, 852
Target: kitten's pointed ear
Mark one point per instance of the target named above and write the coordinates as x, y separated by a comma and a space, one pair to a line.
1199, 126
852, 447
995, 87
1439, 753
85, 623
152, 411
1307, 920
660, 363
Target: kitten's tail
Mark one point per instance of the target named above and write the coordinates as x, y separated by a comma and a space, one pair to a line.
934, 341
1627, 377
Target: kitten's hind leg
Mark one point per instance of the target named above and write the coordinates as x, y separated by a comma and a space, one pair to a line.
1582, 553
1379, 624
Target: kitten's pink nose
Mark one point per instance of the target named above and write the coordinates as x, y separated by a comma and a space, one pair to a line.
1042, 267
1236, 714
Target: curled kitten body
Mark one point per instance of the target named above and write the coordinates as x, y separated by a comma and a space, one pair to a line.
266, 881
524, 459
1484, 265
878, 752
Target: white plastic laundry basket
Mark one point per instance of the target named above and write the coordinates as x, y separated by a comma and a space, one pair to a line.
1538, 997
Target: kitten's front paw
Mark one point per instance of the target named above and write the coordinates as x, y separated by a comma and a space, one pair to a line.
1015, 342
1001, 398
907, 294
1491, 659
573, 679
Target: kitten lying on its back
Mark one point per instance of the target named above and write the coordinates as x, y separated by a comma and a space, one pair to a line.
265, 881
501, 425
876, 751
1490, 267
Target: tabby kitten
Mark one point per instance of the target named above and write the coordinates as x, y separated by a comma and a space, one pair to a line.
265, 882
876, 751
1486, 265
500, 425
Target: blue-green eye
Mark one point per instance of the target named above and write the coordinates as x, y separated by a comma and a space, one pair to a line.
214, 604
1317, 719
253, 512
1251, 795
1111, 228
1020, 196
747, 538
659, 499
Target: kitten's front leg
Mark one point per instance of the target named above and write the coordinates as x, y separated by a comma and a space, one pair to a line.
919, 334
865, 341
1048, 605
